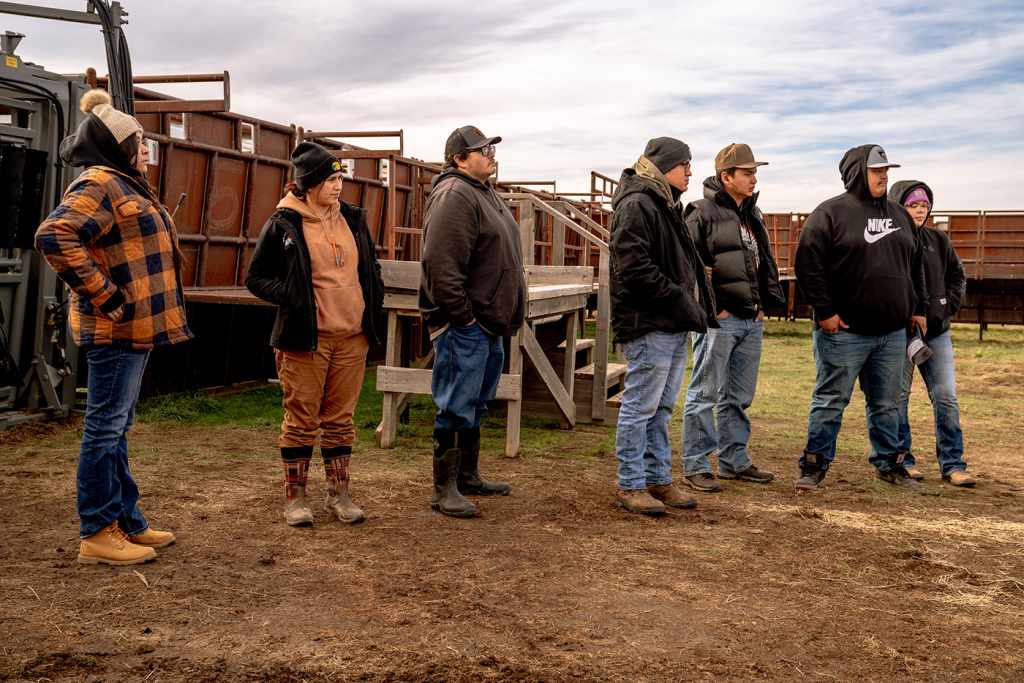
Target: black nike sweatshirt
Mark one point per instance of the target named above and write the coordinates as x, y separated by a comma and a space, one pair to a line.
860, 257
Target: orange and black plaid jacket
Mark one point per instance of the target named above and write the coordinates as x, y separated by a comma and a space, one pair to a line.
116, 248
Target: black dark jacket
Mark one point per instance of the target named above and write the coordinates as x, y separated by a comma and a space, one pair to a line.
860, 257
714, 223
657, 278
281, 273
472, 263
943, 270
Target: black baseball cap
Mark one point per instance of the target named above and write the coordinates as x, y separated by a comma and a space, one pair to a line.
467, 139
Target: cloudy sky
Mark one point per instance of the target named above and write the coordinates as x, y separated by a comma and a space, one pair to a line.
576, 86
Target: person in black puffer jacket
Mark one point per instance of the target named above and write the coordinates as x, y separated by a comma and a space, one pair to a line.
944, 275
659, 295
729, 232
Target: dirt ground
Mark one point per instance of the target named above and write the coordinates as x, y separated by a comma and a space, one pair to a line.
553, 583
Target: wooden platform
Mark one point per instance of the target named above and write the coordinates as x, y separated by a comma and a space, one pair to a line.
556, 305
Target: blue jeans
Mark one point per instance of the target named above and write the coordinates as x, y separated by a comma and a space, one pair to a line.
467, 368
725, 365
106, 490
655, 366
878, 362
940, 377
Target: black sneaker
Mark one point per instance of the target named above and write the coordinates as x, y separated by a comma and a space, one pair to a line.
810, 479
750, 474
898, 476
703, 481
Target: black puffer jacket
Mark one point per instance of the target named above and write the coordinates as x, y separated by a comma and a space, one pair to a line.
943, 270
657, 278
741, 287
281, 273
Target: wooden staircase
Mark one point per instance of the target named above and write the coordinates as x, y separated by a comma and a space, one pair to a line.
537, 401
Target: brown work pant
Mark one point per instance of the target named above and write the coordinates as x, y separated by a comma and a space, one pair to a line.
321, 389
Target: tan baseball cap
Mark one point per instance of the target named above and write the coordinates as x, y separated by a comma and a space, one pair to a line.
736, 155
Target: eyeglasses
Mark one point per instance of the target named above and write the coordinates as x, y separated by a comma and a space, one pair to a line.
487, 151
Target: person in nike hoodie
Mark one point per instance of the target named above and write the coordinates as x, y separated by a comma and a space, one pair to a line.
944, 275
859, 265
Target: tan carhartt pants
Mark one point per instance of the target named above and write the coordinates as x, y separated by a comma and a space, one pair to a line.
321, 390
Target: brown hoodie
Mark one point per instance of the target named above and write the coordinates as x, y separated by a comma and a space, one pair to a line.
339, 298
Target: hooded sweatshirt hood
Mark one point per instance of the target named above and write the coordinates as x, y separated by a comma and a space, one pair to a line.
94, 145
854, 169
290, 201
645, 176
713, 186
899, 191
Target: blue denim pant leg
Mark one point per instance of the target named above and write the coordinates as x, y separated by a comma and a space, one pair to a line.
467, 368
939, 374
903, 436
658, 456
106, 490
881, 381
711, 352
838, 358
651, 362
737, 395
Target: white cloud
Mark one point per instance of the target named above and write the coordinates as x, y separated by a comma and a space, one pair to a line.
580, 86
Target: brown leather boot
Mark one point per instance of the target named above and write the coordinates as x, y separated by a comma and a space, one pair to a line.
670, 495
336, 462
151, 538
111, 546
296, 471
641, 501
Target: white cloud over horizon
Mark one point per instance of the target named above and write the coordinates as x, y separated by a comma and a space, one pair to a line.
582, 85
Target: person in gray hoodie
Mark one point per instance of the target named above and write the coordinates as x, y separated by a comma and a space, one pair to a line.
944, 276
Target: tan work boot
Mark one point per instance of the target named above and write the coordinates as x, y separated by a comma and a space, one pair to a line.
111, 546
639, 500
914, 473
151, 538
671, 496
336, 465
959, 478
296, 469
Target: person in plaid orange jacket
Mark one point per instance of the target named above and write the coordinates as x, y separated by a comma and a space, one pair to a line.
114, 245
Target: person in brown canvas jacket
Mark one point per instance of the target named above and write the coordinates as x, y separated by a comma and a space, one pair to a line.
315, 259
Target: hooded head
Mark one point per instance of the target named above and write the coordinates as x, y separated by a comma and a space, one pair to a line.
907, 192
854, 169
106, 137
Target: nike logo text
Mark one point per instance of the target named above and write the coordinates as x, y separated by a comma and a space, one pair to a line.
877, 228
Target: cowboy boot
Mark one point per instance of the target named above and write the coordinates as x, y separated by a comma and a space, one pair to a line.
447, 500
296, 470
470, 481
336, 462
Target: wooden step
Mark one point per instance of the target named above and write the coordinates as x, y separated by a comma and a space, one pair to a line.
580, 344
615, 372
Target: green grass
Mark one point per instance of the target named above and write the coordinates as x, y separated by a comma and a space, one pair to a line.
988, 372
